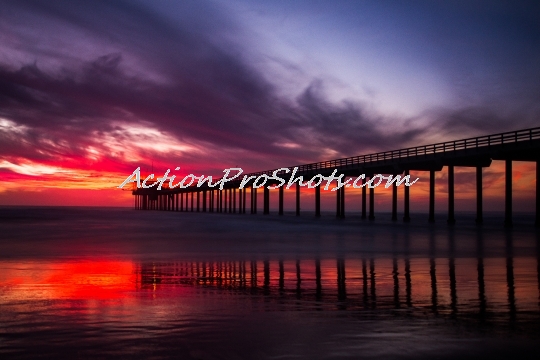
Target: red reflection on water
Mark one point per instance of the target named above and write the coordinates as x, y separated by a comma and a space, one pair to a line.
94, 279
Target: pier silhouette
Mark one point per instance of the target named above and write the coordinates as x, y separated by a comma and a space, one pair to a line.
477, 152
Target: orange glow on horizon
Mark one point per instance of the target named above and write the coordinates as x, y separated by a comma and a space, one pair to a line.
72, 186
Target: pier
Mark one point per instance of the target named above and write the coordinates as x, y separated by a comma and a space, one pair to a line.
477, 152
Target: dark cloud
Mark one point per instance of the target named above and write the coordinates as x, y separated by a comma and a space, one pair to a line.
487, 50
471, 121
209, 93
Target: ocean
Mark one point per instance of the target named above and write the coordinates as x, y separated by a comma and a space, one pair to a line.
86, 283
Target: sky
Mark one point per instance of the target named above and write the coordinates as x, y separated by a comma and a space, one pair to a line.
91, 90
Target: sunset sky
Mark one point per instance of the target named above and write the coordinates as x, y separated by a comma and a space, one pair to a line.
90, 90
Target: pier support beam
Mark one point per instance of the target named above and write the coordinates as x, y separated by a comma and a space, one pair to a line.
317, 201
255, 201
479, 210
451, 218
225, 200
364, 198
220, 201
394, 202
281, 200
231, 199
241, 204
251, 200
240, 201
234, 200
177, 198
431, 196
198, 201
342, 203
537, 222
297, 199
508, 195
338, 203
266, 196
406, 214
254, 191
244, 200
371, 202
204, 201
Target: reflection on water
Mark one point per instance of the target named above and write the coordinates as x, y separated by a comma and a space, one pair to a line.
453, 287
132, 301
419, 295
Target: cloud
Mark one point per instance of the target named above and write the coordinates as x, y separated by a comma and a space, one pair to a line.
196, 92
112, 83
471, 121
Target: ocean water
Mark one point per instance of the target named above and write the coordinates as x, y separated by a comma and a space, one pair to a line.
84, 283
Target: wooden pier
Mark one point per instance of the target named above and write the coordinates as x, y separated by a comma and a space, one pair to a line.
477, 152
